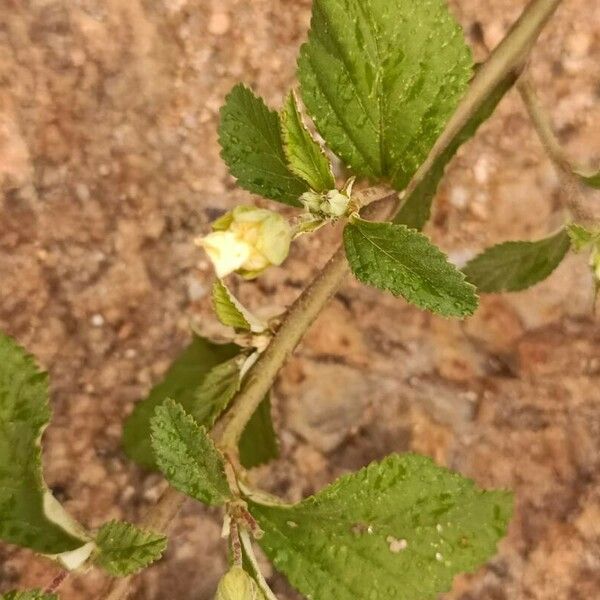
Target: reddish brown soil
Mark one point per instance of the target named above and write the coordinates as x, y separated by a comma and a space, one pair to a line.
109, 166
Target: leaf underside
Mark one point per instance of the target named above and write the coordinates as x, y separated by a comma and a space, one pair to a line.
404, 262
380, 79
215, 393
305, 156
252, 147
416, 209
515, 266
123, 549
401, 528
227, 311
181, 383
24, 496
258, 444
187, 456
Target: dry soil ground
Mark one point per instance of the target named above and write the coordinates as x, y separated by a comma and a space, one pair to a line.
109, 166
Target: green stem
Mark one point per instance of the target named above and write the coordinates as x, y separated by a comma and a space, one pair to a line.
261, 377
541, 123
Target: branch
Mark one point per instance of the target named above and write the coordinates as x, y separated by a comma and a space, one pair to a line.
569, 180
508, 56
542, 124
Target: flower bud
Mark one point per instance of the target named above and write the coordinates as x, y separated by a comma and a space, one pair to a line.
312, 201
336, 203
236, 584
333, 204
247, 240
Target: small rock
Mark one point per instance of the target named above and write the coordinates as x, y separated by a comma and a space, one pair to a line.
219, 23
328, 404
97, 320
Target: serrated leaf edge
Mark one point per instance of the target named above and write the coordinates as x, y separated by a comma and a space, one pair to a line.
293, 102
356, 219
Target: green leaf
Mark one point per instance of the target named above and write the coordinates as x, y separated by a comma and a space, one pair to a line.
29, 595
416, 209
124, 549
250, 138
591, 180
381, 78
29, 515
181, 383
187, 456
404, 262
214, 393
401, 528
515, 266
231, 312
306, 157
258, 444
581, 237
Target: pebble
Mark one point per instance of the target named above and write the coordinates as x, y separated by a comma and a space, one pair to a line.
219, 23
97, 320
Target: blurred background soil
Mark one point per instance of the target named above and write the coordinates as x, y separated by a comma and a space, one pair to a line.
109, 167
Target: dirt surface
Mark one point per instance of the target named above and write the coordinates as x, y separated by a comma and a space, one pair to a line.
109, 167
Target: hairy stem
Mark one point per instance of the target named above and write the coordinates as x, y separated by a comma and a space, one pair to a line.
262, 375
508, 56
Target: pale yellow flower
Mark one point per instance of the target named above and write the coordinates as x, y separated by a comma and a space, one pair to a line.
247, 240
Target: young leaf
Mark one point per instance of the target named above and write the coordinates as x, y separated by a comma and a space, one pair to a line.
380, 80
306, 158
187, 456
515, 266
230, 311
29, 515
581, 237
250, 138
215, 392
124, 549
401, 528
404, 262
258, 444
181, 383
416, 209
29, 595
